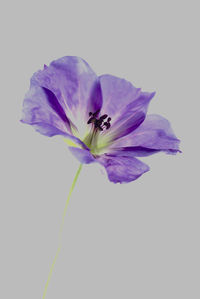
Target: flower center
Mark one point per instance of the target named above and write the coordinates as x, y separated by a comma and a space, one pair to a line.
98, 125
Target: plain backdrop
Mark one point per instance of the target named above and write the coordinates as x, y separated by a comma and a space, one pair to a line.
138, 240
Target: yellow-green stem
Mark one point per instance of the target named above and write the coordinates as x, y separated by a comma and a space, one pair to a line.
60, 232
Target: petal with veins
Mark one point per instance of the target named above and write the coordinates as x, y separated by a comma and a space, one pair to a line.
122, 169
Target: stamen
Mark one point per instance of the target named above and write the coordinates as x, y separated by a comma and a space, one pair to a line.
99, 123
104, 116
91, 120
107, 124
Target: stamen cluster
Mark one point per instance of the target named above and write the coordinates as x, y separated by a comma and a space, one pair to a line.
99, 123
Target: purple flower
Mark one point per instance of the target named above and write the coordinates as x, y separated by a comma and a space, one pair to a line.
103, 119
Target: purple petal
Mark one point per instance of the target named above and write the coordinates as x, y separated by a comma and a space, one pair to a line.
133, 151
116, 93
125, 126
125, 104
154, 133
73, 83
82, 155
122, 169
38, 109
141, 104
43, 112
54, 103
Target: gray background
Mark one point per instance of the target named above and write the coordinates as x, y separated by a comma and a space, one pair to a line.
137, 240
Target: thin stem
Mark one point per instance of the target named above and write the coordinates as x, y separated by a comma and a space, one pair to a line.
60, 231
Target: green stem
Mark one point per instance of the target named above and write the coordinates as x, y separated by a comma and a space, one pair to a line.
60, 232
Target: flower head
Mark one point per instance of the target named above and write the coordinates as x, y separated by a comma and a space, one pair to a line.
103, 119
